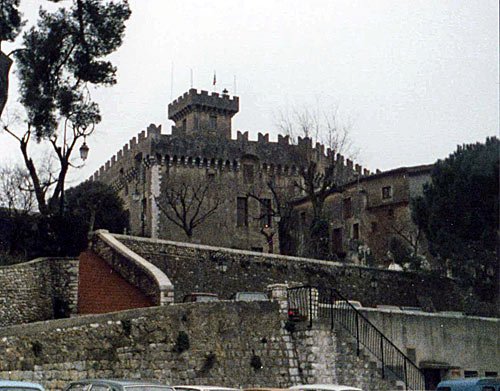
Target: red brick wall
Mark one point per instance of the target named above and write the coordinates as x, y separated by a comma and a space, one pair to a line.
101, 289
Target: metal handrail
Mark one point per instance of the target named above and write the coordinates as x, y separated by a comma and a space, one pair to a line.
309, 303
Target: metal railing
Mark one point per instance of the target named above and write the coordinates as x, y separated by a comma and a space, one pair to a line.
310, 304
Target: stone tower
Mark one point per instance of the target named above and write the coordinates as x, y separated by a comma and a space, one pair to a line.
203, 114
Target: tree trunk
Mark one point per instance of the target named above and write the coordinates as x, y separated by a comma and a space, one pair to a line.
5, 63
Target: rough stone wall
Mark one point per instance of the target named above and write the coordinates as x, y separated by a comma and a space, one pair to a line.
232, 344
225, 271
222, 340
42, 289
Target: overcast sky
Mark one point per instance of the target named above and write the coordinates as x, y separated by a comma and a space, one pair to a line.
416, 77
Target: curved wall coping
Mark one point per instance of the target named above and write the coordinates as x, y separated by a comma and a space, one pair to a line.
163, 282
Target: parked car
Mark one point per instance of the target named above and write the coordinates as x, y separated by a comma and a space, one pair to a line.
7, 385
204, 388
470, 384
200, 297
323, 387
250, 296
116, 385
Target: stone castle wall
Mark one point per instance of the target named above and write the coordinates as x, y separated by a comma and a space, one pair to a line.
225, 271
139, 171
45, 288
232, 344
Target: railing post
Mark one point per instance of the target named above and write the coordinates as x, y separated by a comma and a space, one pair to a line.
310, 307
357, 333
331, 309
406, 374
382, 356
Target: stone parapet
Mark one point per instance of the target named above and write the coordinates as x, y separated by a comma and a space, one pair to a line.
134, 268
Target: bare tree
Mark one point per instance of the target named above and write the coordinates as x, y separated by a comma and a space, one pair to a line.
188, 202
279, 209
16, 193
319, 178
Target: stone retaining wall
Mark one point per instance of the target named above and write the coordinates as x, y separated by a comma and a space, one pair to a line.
222, 343
225, 271
44, 288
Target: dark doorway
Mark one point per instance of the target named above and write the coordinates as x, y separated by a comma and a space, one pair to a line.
432, 377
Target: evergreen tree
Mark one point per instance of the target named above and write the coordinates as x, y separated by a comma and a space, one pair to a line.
459, 215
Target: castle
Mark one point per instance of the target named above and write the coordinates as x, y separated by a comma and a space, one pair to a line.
236, 172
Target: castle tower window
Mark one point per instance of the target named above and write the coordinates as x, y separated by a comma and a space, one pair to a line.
347, 208
355, 231
248, 173
197, 162
196, 121
242, 212
266, 212
212, 121
387, 192
184, 125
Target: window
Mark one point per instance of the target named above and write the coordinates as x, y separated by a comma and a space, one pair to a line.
337, 240
390, 213
258, 249
266, 212
184, 124
347, 207
242, 212
490, 374
213, 121
355, 231
196, 121
248, 173
488, 388
374, 227
411, 353
470, 373
387, 192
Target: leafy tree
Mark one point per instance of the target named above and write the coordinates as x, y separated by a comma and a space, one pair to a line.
10, 26
97, 206
459, 215
59, 59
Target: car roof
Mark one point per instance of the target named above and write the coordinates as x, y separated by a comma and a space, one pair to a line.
119, 382
201, 293
329, 387
10, 383
198, 387
472, 381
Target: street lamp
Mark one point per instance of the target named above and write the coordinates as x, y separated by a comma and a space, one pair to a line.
84, 151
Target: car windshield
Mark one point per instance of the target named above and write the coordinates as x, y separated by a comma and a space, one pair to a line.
251, 296
148, 388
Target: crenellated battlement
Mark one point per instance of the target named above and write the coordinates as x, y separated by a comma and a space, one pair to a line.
279, 157
193, 99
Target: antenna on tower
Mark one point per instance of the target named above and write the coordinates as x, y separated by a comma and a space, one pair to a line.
172, 80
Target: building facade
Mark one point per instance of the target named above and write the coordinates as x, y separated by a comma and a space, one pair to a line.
200, 161
370, 219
